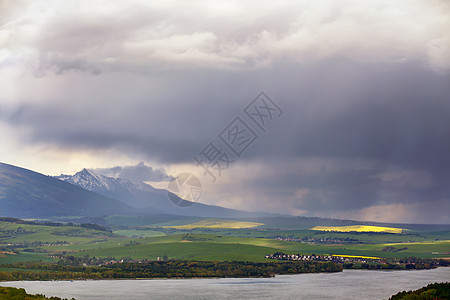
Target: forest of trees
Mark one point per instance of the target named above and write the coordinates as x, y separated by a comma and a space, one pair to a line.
431, 291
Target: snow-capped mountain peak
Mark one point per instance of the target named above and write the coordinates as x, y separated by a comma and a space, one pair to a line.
88, 180
117, 188
141, 195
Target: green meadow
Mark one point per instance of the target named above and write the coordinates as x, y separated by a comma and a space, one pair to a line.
204, 247
141, 240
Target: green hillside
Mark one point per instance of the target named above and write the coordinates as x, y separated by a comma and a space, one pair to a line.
28, 241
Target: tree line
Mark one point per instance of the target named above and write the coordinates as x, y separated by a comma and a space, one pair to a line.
54, 224
162, 269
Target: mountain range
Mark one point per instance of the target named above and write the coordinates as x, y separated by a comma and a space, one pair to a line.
138, 195
144, 197
28, 194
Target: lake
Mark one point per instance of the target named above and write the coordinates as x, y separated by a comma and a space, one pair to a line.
350, 284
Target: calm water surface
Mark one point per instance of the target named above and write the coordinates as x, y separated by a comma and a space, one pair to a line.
350, 284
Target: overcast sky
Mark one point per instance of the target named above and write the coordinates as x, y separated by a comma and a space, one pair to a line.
363, 89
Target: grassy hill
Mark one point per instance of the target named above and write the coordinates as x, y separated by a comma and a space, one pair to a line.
33, 241
204, 247
151, 226
206, 251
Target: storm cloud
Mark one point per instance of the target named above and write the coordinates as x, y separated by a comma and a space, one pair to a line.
364, 88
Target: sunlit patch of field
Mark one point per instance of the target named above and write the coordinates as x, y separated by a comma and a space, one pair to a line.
358, 228
357, 256
3, 253
217, 223
20, 233
139, 233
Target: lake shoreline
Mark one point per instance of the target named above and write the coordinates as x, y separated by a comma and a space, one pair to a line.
349, 284
225, 277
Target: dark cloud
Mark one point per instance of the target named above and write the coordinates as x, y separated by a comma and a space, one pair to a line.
138, 173
392, 114
359, 86
350, 185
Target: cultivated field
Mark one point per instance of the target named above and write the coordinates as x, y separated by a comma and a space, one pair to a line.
358, 228
40, 242
216, 223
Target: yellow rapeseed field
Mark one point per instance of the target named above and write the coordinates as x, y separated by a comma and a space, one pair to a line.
217, 223
357, 256
358, 228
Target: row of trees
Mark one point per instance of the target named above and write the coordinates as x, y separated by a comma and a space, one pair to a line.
54, 224
412, 263
164, 269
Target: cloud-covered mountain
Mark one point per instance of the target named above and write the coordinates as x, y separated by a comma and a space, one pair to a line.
139, 195
27, 194
137, 173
